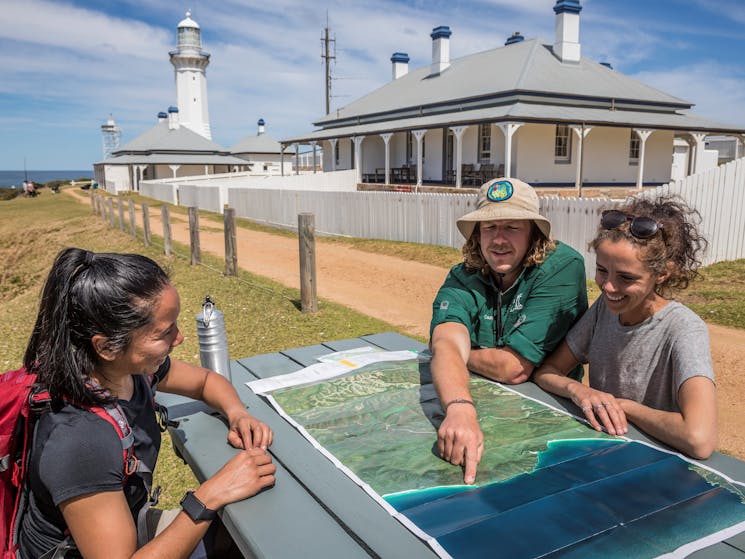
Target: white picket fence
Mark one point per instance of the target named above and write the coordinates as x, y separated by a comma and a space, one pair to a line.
395, 216
719, 195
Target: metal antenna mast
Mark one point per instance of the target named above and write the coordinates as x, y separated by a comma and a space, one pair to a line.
327, 57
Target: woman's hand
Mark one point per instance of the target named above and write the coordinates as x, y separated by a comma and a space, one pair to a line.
601, 409
244, 475
246, 431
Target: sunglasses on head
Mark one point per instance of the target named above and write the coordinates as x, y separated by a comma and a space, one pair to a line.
640, 227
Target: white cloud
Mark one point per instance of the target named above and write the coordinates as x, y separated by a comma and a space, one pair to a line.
80, 30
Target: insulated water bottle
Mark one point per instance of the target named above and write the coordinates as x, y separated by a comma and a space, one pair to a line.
213, 339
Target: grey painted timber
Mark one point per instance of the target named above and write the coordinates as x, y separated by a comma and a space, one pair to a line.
314, 510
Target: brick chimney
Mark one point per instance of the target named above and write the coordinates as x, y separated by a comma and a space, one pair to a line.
173, 123
514, 38
400, 64
440, 49
566, 43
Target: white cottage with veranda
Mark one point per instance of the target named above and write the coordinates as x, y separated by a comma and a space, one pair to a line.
531, 109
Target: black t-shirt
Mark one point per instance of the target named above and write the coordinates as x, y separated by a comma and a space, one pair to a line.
77, 453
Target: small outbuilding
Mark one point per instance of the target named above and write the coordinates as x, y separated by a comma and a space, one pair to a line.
263, 153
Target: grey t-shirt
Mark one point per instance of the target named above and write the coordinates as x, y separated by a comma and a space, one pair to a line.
647, 362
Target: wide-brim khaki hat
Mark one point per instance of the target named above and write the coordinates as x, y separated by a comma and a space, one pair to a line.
504, 198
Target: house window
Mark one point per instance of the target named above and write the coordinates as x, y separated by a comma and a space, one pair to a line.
563, 144
634, 146
484, 143
336, 152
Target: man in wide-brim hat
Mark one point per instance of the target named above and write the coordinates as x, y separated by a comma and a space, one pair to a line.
501, 311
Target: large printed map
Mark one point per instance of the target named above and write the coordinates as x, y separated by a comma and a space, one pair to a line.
547, 485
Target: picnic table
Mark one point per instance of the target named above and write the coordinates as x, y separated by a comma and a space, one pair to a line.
315, 510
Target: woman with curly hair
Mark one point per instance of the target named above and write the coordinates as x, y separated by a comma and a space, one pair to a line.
649, 356
501, 311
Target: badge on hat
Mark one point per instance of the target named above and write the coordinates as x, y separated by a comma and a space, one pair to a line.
499, 191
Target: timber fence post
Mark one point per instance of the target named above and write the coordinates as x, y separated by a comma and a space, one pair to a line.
194, 234
132, 222
110, 203
165, 215
231, 246
307, 240
145, 224
120, 204
93, 201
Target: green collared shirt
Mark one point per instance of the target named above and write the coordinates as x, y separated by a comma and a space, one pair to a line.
536, 311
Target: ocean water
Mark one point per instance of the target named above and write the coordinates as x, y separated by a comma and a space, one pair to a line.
10, 178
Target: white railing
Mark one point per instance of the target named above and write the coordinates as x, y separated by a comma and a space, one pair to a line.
718, 194
210, 192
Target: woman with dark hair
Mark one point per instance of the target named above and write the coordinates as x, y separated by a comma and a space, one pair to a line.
106, 326
501, 311
649, 356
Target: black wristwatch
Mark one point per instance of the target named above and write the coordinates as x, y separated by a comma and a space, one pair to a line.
196, 509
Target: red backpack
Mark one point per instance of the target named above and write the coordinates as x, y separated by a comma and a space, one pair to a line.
20, 405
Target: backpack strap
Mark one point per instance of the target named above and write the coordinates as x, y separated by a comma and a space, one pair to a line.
161, 411
114, 415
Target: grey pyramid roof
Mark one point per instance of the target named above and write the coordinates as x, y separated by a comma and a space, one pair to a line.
162, 145
526, 66
259, 143
160, 138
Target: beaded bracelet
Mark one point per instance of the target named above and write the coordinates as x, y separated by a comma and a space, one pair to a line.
458, 401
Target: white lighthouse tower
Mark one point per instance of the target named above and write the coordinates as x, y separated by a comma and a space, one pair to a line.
190, 64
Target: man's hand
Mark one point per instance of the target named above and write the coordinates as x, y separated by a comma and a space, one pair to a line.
460, 440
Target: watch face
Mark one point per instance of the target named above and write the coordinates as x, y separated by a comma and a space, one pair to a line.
196, 509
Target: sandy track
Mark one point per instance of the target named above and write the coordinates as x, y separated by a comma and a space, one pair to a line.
401, 292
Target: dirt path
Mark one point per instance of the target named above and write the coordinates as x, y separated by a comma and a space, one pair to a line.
401, 292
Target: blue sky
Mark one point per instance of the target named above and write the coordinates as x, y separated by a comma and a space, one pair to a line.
66, 65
